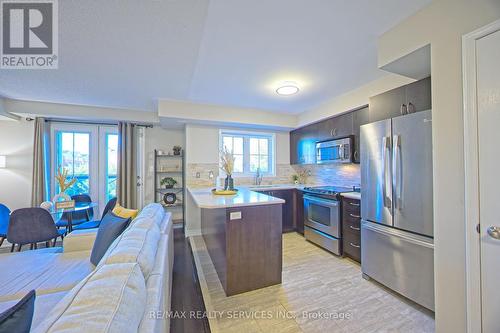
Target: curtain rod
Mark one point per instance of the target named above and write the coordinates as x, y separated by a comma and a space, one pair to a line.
91, 123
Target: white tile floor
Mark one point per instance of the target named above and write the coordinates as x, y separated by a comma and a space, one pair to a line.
319, 293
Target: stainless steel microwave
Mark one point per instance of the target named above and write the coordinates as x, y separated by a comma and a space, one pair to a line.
334, 151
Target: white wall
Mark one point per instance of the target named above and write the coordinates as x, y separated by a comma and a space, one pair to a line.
217, 115
78, 112
442, 24
16, 142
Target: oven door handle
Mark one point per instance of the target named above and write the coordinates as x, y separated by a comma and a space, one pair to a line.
322, 202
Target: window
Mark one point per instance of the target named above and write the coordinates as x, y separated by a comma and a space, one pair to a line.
88, 153
251, 151
73, 155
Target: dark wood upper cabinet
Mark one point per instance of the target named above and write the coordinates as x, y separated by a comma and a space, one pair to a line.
387, 105
413, 97
419, 95
360, 117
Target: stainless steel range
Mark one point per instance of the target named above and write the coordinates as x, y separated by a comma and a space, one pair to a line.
322, 223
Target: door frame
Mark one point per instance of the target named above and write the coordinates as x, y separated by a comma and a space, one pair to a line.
472, 237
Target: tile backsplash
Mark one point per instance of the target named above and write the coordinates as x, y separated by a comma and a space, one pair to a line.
331, 174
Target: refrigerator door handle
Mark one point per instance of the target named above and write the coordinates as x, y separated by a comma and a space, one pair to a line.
385, 149
397, 174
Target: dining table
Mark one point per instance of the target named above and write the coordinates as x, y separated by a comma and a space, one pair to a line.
57, 214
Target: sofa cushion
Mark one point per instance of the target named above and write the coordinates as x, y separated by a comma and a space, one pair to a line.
154, 212
136, 245
43, 270
125, 212
110, 228
18, 318
111, 299
80, 240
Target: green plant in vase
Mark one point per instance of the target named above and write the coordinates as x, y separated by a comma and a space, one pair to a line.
177, 150
168, 182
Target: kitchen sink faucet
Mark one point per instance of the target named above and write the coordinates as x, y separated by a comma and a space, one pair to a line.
258, 177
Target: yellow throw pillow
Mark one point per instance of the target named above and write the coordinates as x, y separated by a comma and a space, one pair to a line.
125, 212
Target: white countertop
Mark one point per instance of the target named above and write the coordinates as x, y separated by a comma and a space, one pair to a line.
204, 198
352, 195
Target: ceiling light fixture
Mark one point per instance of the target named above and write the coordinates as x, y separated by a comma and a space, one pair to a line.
287, 89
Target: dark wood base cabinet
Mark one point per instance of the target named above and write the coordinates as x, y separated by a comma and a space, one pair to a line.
351, 228
288, 208
247, 249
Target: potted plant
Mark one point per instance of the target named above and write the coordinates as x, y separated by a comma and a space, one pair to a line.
169, 182
227, 165
177, 150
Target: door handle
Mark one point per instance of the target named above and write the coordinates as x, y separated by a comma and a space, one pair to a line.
386, 145
494, 232
397, 172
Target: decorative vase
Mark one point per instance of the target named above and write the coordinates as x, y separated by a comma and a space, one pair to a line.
169, 198
229, 183
63, 196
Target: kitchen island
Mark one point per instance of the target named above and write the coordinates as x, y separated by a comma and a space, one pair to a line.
242, 233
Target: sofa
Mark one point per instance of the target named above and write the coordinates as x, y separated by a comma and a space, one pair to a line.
128, 291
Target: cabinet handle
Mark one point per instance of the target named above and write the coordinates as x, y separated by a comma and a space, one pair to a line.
354, 228
354, 245
355, 216
354, 204
355, 155
404, 109
333, 132
411, 108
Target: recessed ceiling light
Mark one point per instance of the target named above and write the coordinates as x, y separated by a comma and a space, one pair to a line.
287, 89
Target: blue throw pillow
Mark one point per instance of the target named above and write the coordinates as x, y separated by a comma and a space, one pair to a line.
18, 318
111, 227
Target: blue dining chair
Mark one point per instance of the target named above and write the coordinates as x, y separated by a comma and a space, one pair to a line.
78, 217
32, 226
4, 222
95, 224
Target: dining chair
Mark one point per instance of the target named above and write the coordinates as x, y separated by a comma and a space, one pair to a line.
4, 222
78, 217
32, 226
95, 224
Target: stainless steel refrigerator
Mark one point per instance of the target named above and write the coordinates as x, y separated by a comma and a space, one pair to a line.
397, 247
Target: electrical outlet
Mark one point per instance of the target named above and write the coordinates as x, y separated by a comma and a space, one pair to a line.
235, 216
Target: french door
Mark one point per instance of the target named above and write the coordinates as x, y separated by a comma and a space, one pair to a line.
87, 153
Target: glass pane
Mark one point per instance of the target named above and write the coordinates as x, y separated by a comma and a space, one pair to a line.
254, 146
263, 145
264, 163
238, 146
111, 165
73, 156
227, 142
320, 214
254, 163
238, 163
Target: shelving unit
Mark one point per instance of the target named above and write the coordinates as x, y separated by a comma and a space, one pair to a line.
170, 166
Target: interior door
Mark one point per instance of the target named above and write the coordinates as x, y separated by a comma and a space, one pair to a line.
376, 180
488, 99
412, 172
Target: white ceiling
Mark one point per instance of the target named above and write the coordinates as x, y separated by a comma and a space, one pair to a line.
128, 53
